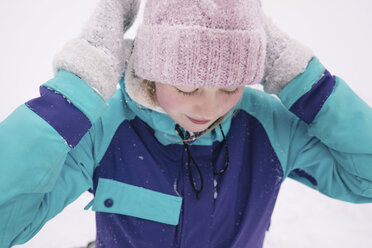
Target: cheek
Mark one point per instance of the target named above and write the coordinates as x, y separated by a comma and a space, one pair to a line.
171, 101
230, 101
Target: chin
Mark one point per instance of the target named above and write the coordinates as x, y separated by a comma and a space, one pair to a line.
194, 128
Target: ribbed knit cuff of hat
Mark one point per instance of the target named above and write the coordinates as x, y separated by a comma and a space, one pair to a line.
285, 58
198, 56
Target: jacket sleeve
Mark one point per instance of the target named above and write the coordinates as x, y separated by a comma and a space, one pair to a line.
330, 146
46, 155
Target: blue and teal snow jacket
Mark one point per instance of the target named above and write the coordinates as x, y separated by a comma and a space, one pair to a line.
69, 140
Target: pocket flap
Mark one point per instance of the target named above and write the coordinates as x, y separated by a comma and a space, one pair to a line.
121, 198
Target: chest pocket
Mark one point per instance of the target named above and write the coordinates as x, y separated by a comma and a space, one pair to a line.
121, 198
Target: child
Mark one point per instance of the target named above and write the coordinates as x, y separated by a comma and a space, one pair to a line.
161, 178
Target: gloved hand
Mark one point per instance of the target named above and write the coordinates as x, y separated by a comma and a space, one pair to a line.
99, 54
285, 58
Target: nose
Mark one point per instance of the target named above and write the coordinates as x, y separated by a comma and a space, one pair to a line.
208, 108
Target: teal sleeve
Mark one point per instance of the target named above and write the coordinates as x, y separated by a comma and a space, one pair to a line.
22, 216
39, 172
332, 151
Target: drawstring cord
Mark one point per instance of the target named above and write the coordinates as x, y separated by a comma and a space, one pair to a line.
191, 178
227, 156
190, 158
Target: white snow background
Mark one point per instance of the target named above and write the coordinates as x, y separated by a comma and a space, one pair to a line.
340, 33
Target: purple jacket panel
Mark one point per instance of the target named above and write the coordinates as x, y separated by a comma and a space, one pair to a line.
63, 116
234, 209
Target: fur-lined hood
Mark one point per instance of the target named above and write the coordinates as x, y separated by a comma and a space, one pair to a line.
137, 88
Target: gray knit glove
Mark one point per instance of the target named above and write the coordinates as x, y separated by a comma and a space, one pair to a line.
99, 54
285, 58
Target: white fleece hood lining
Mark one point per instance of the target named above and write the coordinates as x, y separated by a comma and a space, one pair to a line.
136, 89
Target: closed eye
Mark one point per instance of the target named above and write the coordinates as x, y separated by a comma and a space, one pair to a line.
231, 92
187, 93
191, 93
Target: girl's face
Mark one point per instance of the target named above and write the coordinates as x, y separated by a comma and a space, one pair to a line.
195, 109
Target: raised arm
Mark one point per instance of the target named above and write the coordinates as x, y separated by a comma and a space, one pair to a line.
46, 144
330, 143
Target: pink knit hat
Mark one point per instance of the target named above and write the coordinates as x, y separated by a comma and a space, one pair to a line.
207, 43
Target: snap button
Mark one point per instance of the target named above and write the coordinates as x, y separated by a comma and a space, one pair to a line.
109, 203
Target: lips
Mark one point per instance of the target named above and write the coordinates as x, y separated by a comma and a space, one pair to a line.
199, 122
